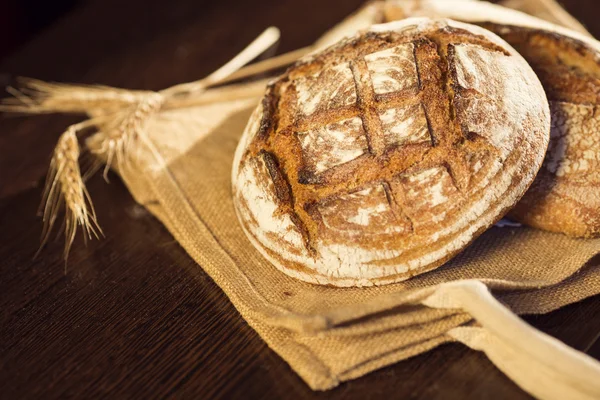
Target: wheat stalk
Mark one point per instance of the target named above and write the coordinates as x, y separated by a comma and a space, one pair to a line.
37, 97
119, 117
64, 185
117, 134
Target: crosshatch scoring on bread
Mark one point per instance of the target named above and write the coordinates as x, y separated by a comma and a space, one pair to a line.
386, 154
565, 197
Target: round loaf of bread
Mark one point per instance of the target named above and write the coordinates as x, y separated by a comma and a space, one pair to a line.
565, 197
384, 155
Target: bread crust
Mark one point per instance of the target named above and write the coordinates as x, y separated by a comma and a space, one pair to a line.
384, 155
565, 197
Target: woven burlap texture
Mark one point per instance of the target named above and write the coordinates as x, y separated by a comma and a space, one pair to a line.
329, 335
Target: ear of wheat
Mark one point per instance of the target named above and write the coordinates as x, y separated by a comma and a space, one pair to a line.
117, 132
64, 185
38, 97
121, 133
119, 116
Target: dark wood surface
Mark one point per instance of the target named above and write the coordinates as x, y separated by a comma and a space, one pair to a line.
134, 317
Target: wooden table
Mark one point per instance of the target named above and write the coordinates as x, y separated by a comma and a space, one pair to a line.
134, 317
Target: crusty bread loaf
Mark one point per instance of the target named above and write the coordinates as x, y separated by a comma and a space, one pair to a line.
566, 195
383, 156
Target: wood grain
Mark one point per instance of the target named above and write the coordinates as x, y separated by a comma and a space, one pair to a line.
134, 317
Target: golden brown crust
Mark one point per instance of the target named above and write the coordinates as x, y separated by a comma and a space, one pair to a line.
433, 90
386, 154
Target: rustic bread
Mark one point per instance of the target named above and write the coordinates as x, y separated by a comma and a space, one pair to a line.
383, 156
566, 195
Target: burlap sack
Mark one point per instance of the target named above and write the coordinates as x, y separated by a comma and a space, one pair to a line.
329, 335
